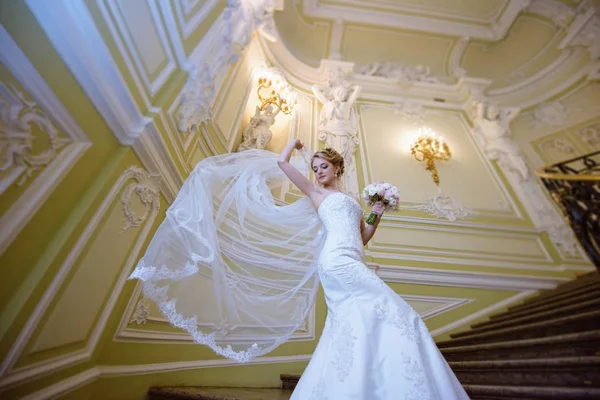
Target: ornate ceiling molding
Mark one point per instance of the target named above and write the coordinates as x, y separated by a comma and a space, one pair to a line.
398, 16
578, 60
386, 89
50, 116
73, 33
130, 111
574, 64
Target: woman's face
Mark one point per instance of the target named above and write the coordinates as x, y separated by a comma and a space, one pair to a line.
324, 171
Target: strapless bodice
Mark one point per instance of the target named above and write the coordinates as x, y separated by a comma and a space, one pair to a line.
341, 216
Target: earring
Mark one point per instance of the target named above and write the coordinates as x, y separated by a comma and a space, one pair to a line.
336, 174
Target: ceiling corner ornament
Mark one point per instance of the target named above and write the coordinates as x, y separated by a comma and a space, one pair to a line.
239, 21
404, 73
560, 145
147, 188
552, 114
410, 110
591, 134
444, 206
141, 313
19, 119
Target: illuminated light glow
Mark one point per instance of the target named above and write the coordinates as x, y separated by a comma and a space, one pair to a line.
430, 148
274, 89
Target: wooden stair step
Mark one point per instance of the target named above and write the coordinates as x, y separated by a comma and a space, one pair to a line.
592, 276
586, 321
289, 381
554, 298
212, 393
567, 345
539, 316
559, 371
542, 307
491, 392
487, 397
530, 392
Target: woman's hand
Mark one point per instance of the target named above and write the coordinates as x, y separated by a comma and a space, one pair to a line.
368, 228
298, 145
378, 208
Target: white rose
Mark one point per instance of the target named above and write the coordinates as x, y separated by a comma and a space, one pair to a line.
372, 191
387, 186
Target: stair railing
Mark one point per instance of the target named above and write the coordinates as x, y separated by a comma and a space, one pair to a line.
575, 187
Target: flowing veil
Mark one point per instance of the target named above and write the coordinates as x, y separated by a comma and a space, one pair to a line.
229, 265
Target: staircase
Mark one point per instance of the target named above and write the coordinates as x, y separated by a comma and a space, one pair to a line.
205, 393
548, 347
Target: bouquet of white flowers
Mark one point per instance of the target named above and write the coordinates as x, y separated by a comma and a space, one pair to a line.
383, 192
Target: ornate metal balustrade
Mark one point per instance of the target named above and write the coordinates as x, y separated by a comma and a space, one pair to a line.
575, 186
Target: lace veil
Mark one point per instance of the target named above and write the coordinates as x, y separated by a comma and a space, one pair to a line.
229, 265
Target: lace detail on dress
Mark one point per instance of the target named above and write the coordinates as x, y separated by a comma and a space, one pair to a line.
404, 318
343, 346
323, 275
329, 328
318, 392
414, 374
341, 216
362, 274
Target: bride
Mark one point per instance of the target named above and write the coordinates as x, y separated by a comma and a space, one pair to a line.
374, 345
240, 273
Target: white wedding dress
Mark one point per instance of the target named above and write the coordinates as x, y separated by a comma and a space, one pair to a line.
240, 272
374, 345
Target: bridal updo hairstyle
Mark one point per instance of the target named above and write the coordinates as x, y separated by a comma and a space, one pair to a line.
333, 157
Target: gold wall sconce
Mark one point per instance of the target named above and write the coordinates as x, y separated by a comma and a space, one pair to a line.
430, 149
273, 89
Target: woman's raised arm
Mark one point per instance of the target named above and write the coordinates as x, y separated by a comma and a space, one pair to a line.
306, 186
